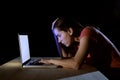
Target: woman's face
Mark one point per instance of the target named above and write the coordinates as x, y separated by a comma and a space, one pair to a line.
63, 37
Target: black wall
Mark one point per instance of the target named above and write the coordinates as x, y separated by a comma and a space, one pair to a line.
35, 20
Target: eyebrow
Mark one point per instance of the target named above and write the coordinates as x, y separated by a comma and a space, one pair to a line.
58, 35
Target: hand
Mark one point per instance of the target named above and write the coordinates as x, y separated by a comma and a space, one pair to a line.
46, 61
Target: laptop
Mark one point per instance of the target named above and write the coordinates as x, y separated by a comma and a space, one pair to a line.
26, 60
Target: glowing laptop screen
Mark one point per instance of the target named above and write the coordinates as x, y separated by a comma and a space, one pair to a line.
24, 47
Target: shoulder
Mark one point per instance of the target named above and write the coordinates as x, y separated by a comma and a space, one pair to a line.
87, 31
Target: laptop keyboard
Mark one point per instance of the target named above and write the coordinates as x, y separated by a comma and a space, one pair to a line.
36, 62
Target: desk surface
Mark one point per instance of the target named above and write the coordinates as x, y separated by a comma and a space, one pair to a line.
12, 70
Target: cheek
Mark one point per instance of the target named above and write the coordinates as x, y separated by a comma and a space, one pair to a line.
67, 40
64, 37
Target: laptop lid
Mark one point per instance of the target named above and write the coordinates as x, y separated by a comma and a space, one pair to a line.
24, 47
25, 53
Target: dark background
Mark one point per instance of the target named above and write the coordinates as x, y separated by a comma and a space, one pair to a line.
35, 19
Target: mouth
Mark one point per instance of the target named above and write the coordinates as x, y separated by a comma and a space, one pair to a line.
64, 44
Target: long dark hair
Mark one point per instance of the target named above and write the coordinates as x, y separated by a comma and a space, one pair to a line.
64, 23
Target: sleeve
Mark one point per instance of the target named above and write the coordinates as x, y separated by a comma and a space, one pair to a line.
86, 32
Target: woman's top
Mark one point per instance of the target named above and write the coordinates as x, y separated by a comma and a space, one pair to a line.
100, 48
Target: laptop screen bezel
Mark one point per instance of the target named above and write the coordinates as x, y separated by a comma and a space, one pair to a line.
25, 36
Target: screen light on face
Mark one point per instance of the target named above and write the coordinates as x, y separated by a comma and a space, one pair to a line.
57, 44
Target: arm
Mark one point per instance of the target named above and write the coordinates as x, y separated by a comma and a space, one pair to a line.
74, 62
65, 54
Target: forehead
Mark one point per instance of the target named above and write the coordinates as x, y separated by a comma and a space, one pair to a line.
57, 31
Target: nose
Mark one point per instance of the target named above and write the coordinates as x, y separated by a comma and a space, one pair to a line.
59, 40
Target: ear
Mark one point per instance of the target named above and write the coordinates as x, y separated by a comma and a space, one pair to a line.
70, 31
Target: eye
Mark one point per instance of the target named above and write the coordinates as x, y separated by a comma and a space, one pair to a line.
58, 36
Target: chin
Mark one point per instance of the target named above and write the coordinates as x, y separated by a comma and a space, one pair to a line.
67, 45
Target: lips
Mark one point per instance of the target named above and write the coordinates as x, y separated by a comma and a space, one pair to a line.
63, 43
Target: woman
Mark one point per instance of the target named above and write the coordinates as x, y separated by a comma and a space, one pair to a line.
82, 45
